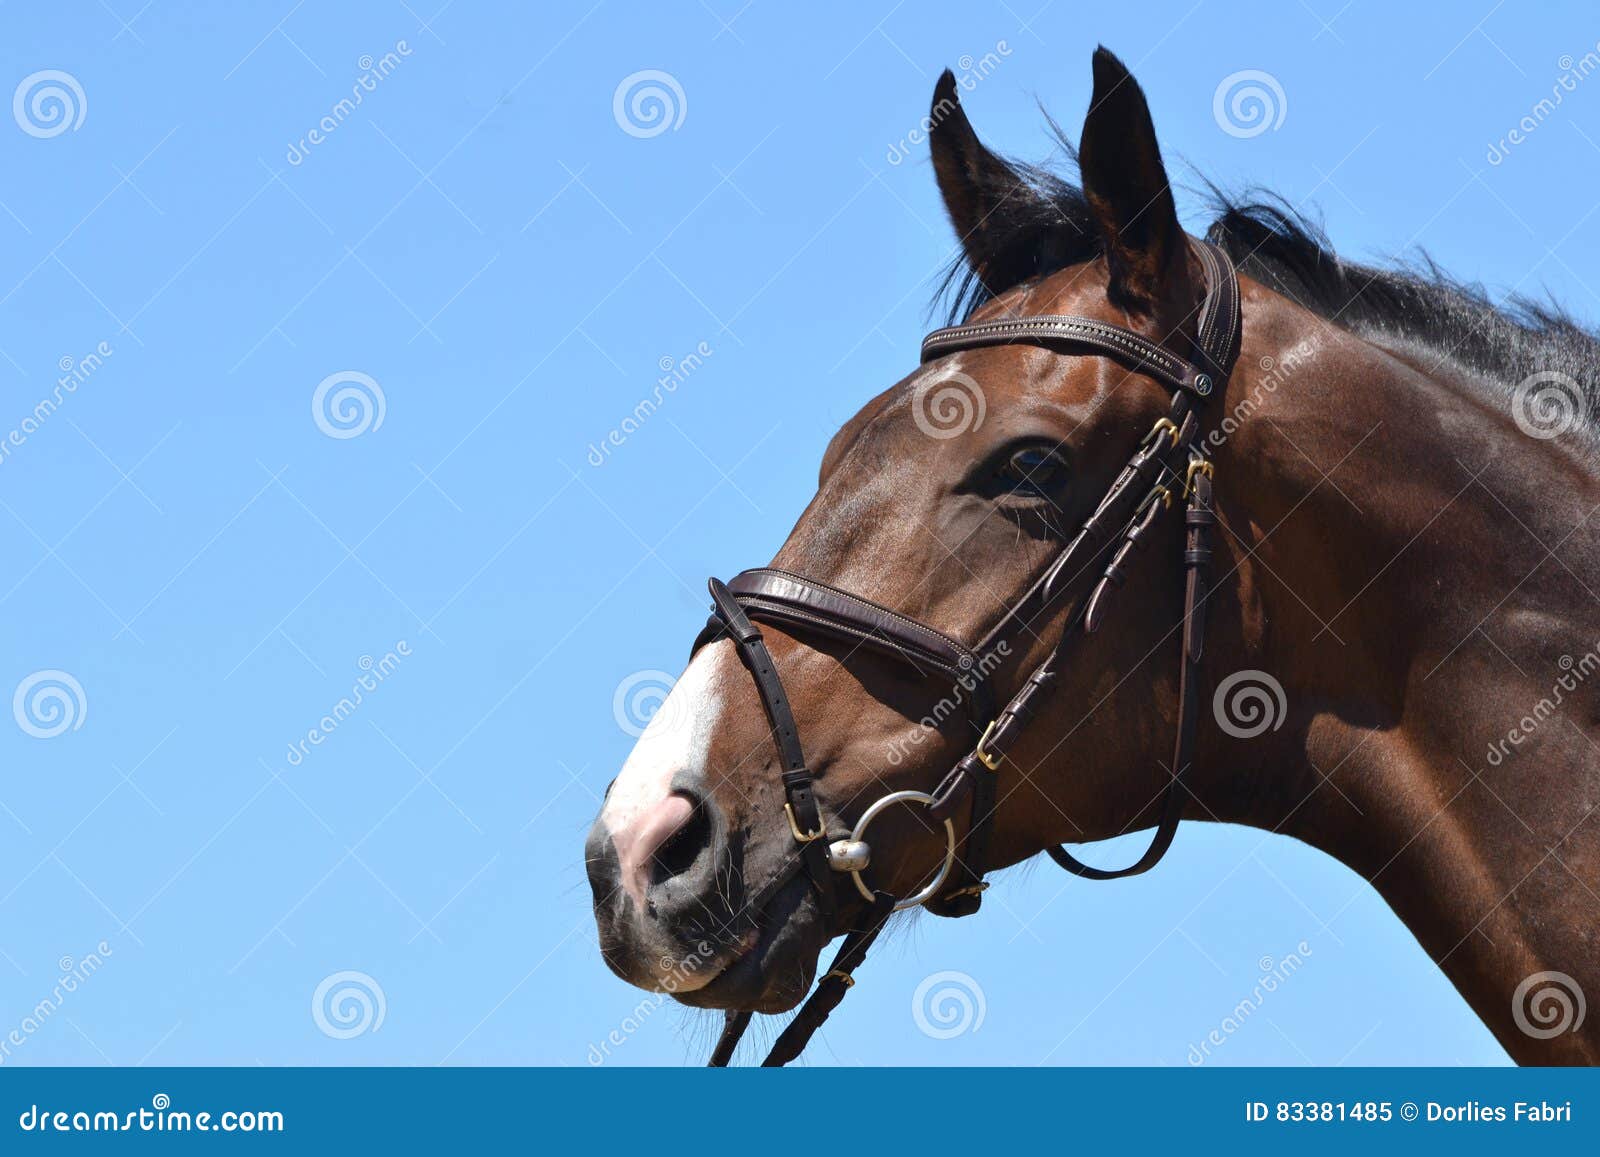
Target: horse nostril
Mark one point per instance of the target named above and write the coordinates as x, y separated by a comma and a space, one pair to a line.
682, 848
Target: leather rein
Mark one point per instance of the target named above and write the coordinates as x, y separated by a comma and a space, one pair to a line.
1166, 461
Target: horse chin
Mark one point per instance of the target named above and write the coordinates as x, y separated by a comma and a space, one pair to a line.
775, 973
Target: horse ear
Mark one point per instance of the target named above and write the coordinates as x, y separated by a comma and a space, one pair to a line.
1129, 196
996, 211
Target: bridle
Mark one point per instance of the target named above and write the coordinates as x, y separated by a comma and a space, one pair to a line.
1165, 461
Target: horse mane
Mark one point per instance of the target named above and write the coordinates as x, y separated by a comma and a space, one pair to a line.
1415, 303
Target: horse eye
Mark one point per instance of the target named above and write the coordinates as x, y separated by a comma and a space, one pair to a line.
1034, 470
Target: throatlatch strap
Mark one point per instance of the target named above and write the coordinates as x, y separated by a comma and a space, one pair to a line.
1198, 520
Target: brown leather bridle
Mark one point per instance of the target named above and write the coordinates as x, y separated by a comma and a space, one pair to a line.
1166, 461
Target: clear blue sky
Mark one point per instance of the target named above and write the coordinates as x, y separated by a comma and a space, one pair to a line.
482, 239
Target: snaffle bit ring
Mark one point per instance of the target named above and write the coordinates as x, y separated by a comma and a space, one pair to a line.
928, 892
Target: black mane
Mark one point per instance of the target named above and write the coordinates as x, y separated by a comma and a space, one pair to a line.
1415, 305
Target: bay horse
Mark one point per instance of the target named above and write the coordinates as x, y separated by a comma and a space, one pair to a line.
1397, 478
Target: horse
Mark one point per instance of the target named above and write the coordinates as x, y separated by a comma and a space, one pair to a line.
1397, 477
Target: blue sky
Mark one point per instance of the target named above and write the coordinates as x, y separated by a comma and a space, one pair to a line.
482, 243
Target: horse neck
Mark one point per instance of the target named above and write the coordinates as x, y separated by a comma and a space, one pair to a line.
1411, 569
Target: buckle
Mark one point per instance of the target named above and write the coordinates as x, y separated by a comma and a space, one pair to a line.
1197, 466
803, 837
988, 759
1162, 426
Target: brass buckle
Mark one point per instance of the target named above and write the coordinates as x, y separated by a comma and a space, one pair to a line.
1197, 466
992, 762
1160, 493
977, 889
803, 837
849, 981
1162, 426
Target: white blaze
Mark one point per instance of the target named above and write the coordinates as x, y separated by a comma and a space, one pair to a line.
674, 742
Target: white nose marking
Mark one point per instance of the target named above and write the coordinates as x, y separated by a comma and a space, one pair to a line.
673, 745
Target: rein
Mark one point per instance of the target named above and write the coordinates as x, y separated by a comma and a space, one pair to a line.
1165, 460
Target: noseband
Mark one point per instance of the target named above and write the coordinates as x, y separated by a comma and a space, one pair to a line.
1166, 462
